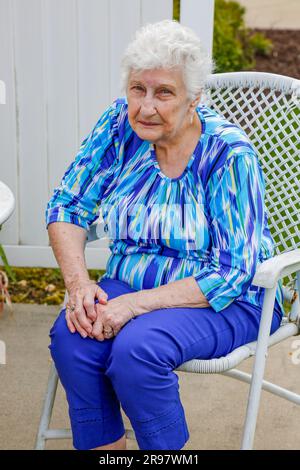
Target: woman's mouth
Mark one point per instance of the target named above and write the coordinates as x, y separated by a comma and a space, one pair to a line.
148, 124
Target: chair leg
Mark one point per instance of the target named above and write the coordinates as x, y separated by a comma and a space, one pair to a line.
258, 369
47, 408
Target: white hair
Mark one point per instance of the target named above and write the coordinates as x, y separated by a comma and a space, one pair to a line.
167, 44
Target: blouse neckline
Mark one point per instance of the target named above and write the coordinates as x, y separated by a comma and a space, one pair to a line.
192, 157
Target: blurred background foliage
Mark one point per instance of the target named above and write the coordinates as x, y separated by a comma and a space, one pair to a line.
40, 285
234, 45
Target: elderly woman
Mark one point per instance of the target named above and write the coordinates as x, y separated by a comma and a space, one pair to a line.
182, 197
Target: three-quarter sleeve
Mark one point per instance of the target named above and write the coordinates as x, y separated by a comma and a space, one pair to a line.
77, 198
235, 198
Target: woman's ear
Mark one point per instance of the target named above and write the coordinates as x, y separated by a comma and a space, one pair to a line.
195, 102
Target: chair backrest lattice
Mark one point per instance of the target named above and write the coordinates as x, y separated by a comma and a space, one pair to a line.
267, 107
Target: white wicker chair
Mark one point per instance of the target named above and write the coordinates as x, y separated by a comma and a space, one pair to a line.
267, 107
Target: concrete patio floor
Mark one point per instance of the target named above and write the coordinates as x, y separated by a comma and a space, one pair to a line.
215, 405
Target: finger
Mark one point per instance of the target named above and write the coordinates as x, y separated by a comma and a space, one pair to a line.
89, 305
116, 331
97, 331
80, 315
101, 296
100, 310
74, 326
80, 330
70, 324
108, 332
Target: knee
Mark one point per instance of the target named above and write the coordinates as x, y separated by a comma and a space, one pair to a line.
70, 349
136, 356
60, 337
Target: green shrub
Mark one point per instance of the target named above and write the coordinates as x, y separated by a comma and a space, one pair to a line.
262, 45
176, 10
232, 49
234, 46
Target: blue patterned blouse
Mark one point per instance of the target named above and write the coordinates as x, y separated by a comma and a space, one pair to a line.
210, 222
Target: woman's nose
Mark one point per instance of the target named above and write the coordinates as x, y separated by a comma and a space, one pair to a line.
148, 106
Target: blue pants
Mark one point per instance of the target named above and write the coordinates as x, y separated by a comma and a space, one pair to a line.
135, 369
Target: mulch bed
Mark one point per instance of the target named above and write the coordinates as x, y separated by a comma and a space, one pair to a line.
285, 56
39, 285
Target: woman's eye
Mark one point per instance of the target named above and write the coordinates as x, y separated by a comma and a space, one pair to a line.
138, 88
164, 91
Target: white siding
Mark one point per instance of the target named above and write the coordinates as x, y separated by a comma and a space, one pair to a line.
8, 120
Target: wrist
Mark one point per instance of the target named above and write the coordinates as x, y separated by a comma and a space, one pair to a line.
78, 282
143, 301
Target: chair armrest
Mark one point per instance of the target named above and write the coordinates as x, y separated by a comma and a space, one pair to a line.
268, 272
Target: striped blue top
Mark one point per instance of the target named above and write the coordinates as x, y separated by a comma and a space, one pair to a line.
210, 222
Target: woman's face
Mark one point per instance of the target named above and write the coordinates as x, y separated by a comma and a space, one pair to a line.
158, 107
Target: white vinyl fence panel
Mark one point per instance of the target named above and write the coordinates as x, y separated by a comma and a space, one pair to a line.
199, 15
59, 61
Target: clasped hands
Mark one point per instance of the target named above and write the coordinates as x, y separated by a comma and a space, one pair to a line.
102, 320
